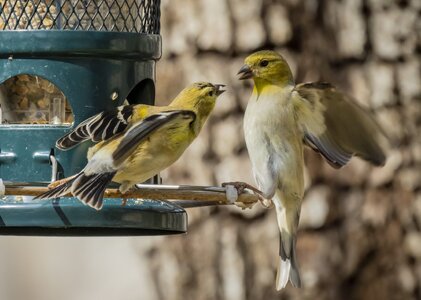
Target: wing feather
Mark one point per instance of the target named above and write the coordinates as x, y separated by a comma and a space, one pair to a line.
98, 128
142, 130
348, 128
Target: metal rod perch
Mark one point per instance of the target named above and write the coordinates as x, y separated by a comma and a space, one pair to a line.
186, 196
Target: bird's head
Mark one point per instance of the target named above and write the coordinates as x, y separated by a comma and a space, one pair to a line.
199, 97
266, 67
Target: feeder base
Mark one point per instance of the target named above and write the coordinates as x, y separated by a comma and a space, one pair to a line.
69, 217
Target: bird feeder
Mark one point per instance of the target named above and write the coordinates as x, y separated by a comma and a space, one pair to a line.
62, 61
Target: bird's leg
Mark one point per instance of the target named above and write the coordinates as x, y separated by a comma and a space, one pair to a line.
241, 186
124, 188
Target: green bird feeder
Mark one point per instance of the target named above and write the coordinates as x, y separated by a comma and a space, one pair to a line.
62, 61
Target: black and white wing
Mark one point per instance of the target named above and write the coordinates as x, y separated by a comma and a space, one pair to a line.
99, 127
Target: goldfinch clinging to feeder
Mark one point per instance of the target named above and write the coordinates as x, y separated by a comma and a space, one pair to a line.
135, 142
280, 119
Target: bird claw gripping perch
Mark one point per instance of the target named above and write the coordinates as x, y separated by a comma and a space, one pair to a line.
266, 203
232, 191
239, 189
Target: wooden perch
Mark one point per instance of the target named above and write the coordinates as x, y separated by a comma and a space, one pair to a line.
186, 196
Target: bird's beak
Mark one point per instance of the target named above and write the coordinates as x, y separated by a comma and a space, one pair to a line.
246, 72
219, 89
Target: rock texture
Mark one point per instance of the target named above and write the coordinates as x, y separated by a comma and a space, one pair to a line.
360, 235
360, 228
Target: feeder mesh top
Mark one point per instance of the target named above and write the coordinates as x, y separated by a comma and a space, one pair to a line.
140, 16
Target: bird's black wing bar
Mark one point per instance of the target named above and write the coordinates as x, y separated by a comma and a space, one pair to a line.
98, 128
141, 130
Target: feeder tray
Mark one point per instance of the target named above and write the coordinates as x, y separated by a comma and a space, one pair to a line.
68, 216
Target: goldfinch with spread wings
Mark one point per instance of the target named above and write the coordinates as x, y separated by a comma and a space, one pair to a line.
135, 142
280, 119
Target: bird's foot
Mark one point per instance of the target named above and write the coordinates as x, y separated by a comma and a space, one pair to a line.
124, 188
241, 186
266, 203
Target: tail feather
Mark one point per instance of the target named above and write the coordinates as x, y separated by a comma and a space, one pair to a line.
90, 188
287, 268
294, 274
288, 218
87, 188
58, 191
282, 275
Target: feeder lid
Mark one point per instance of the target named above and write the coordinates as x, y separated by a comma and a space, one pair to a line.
69, 217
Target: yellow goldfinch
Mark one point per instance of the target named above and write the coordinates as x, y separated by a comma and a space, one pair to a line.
280, 119
135, 142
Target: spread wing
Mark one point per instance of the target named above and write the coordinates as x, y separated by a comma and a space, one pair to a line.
142, 130
348, 129
98, 128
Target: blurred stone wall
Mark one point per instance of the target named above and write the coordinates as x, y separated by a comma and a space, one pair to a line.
360, 231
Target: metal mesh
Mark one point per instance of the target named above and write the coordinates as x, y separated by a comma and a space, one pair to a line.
140, 16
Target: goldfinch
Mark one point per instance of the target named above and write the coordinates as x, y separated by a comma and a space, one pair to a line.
135, 142
280, 119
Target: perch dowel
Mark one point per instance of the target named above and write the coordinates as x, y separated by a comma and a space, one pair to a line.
187, 195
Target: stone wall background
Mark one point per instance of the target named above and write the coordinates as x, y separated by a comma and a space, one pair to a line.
360, 226
360, 232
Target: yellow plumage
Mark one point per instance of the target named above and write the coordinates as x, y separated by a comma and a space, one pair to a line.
135, 142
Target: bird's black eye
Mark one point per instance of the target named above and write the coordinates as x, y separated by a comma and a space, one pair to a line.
264, 63
210, 93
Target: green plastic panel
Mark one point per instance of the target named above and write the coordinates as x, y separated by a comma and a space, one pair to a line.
69, 217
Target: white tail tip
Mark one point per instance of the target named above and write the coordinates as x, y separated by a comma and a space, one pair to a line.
282, 275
